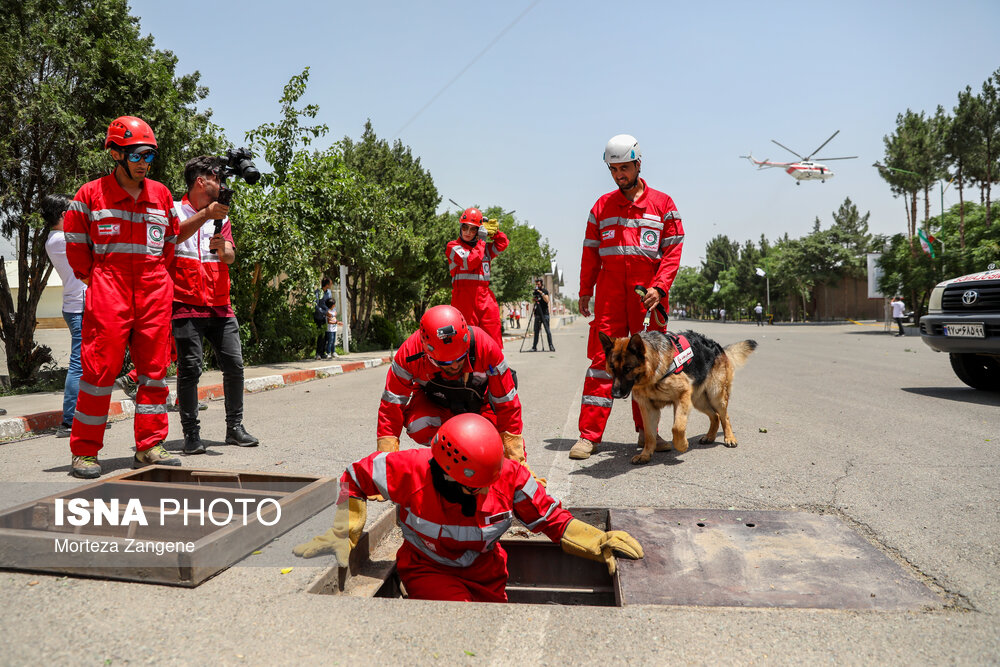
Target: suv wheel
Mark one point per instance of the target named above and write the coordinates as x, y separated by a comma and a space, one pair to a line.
977, 370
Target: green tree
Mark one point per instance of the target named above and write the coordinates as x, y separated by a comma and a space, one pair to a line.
67, 68
691, 291
720, 253
527, 257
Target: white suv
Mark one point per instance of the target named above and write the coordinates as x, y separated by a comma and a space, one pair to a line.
963, 319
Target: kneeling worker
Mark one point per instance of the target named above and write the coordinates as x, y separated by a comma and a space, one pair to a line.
443, 369
454, 503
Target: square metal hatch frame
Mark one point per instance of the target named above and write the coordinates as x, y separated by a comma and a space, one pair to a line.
29, 534
743, 558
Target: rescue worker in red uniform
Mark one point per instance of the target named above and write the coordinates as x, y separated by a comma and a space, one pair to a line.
444, 369
634, 237
469, 261
454, 503
120, 235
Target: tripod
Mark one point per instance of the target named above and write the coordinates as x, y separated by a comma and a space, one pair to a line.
527, 328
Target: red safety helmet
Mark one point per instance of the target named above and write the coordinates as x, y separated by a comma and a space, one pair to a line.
472, 216
445, 334
129, 131
469, 449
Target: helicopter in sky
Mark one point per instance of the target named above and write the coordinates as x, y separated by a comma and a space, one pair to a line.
806, 169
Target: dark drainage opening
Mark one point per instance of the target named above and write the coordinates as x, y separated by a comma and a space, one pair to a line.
539, 572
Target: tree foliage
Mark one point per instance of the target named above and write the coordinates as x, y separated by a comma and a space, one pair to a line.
67, 68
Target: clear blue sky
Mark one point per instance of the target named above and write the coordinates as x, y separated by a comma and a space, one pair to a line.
524, 126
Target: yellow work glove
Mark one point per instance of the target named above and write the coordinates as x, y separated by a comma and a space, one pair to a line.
513, 449
582, 539
492, 227
348, 525
387, 443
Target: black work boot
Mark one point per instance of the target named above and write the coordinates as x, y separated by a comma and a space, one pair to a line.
237, 435
193, 443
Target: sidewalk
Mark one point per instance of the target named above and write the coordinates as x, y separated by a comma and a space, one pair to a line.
27, 414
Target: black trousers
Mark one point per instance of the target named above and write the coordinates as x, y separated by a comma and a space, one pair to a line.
224, 335
542, 321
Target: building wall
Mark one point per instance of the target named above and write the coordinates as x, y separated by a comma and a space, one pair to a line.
848, 299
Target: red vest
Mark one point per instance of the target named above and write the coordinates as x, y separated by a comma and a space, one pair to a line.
200, 277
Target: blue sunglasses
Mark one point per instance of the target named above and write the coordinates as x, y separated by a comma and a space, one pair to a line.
145, 156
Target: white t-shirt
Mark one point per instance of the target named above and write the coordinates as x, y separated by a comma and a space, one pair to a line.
73, 288
758, 309
331, 320
897, 308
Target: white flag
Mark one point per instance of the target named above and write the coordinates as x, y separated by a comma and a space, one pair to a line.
715, 287
761, 272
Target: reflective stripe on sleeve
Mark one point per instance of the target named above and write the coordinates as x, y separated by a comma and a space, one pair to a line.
390, 397
500, 368
401, 372
79, 207
598, 373
77, 237
526, 492
422, 423
379, 475
548, 513
591, 243
671, 240
509, 396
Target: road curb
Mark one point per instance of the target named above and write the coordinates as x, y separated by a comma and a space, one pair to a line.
16, 427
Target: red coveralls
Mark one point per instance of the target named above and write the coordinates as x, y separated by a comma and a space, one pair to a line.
125, 248
470, 282
626, 244
445, 554
404, 403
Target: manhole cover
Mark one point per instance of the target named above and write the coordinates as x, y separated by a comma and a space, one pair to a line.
737, 558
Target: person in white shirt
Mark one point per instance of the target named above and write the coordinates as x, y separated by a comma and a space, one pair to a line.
759, 311
330, 343
54, 208
898, 312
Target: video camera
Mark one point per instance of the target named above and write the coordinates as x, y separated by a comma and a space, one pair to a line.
238, 163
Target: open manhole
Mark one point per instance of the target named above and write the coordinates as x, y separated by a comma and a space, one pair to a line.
158, 525
692, 557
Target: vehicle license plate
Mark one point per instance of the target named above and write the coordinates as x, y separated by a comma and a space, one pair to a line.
965, 330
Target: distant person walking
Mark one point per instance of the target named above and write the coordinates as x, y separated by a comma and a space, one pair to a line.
898, 313
759, 312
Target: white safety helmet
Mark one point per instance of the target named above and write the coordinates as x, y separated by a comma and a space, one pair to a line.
622, 148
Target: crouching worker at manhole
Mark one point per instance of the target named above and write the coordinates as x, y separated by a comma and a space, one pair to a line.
454, 504
448, 368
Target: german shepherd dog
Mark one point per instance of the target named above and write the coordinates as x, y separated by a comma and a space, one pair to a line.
642, 365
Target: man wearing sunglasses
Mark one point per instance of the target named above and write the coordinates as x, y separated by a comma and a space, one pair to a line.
454, 503
120, 235
448, 368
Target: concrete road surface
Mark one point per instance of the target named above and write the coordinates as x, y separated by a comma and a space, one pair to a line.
873, 429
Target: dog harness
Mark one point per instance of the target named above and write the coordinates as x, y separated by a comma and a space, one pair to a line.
682, 354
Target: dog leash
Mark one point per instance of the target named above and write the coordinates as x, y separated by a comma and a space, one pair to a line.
659, 311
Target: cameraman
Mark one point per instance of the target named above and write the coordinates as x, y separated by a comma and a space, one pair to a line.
541, 305
202, 307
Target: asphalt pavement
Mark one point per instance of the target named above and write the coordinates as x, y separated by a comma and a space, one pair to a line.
843, 420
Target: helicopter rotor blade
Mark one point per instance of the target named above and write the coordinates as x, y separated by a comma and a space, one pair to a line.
789, 150
825, 159
823, 144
